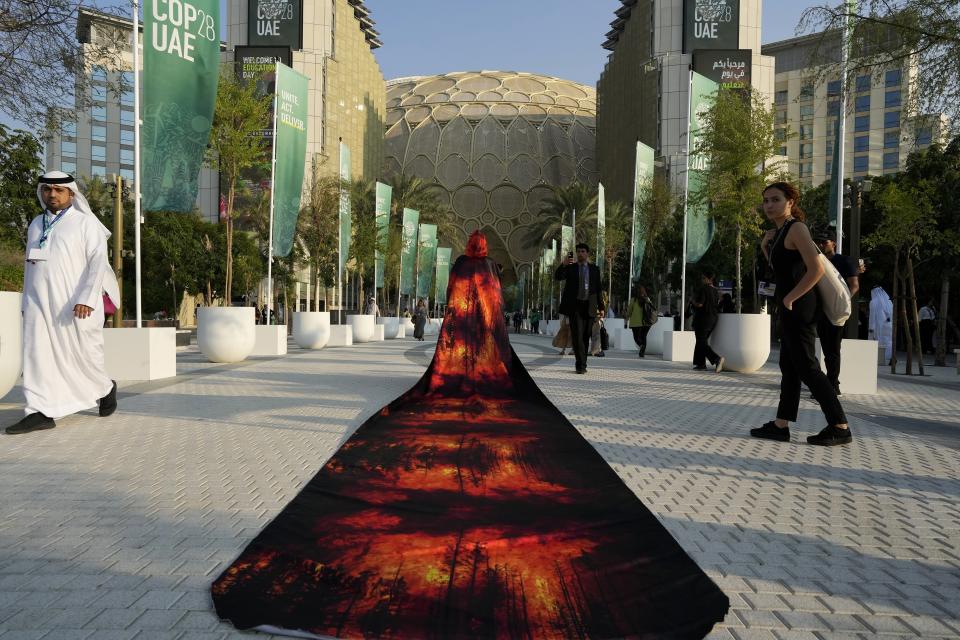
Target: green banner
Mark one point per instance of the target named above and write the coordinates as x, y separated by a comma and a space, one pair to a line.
290, 114
700, 228
408, 253
642, 184
384, 196
566, 240
427, 258
344, 205
601, 226
181, 64
443, 274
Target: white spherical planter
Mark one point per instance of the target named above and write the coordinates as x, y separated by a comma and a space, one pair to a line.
391, 327
655, 336
226, 334
743, 339
362, 327
11, 341
311, 329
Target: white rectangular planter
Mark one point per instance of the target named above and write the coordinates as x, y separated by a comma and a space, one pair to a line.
341, 335
858, 366
655, 336
622, 339
378, 333
678, 346
271, 340
140, 354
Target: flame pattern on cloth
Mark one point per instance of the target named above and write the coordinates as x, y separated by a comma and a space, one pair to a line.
469, 508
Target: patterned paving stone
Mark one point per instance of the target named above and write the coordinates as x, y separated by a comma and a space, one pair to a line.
114, 528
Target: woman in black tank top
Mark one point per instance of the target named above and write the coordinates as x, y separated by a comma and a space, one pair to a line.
793, 257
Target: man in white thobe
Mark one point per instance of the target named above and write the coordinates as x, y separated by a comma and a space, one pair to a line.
881, 325
65, 278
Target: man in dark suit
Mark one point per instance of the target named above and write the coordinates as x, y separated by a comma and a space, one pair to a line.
580, 300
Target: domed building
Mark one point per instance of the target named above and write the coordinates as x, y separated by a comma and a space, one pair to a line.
494, 142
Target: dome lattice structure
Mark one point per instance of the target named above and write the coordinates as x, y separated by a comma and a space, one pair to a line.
494, 142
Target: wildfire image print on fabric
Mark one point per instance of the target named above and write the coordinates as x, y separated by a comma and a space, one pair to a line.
469, 508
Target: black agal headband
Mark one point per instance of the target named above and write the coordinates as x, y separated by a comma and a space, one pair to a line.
65, 180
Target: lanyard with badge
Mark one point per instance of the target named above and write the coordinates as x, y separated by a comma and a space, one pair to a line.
41, 250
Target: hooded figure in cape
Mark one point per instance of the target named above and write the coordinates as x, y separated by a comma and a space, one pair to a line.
65, 277
469, 508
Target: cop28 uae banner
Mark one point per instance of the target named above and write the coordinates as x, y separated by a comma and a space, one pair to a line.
408, 252
642, 184
443, 274
700, 228
427, 260
181, 63
290, 149
384, 194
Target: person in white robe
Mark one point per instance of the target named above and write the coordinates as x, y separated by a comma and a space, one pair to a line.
65, 278
881, 317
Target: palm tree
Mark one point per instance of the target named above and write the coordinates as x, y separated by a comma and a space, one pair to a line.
558, 209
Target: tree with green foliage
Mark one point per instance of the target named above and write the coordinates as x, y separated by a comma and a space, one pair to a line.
236, 145
617, 222
558, 209
737, 140
908, 223
318, 228
657, 216
937, 170
19, 168
363, 245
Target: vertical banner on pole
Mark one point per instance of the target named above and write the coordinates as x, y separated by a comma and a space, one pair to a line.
408, 254
642, 184
384, 194
601, 226
566, 240
700, 227
427, 260
344, 205
443, 274
291, 150
181, 66
544, 274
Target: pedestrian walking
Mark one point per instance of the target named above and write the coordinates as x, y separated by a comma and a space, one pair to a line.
705, 305
580, 300
793, 257
65, 277
641, 315
831, 337
881, 321
562, 340
419, 320
535, 322
373, 309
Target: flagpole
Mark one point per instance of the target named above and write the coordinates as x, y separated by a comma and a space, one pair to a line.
273, 190
136, 160
686, 195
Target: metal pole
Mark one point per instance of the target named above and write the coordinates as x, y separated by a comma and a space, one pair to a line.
686, 195
842, 128
399, 278
118, 248
136, 159
273, 190
856, 202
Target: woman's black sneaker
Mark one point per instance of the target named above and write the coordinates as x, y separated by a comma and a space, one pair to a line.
831, 436
770, 431
32, 422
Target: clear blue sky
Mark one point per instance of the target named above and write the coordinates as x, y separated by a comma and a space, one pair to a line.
554, 37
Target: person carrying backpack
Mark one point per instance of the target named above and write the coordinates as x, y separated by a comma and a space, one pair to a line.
641, 315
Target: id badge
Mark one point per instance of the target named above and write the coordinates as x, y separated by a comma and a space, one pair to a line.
37, 253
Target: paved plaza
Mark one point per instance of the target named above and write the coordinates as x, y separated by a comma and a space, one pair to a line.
114, 528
